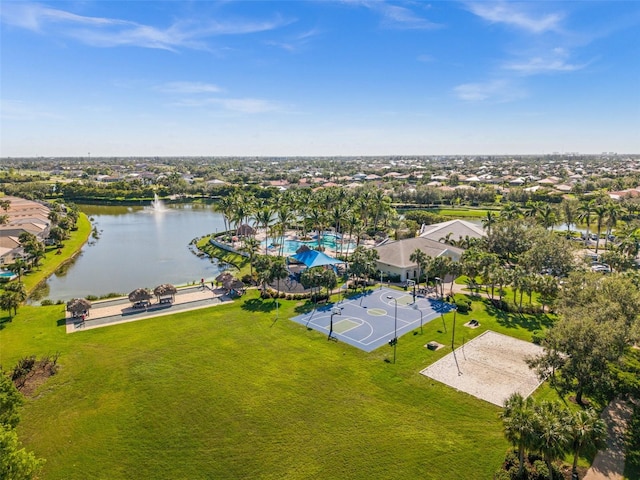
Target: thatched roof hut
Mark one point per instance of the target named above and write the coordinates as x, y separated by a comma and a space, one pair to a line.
140, 295
78, 306
224, 277
245, 230
236, 285
166, 290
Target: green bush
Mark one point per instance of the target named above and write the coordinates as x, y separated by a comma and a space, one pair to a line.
502, 475
463, 307
540, 471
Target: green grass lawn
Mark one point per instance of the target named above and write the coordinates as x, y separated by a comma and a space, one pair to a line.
240, 262
227, 392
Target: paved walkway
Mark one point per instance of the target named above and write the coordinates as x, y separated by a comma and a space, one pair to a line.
609, 463
119, 310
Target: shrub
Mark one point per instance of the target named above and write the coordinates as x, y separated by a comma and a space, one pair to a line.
502, 475
46, 302
537, 336
540, 471
463, 307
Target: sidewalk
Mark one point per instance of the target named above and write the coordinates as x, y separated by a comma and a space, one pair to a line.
609, 463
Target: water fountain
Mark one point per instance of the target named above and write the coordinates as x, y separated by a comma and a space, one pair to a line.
157, 205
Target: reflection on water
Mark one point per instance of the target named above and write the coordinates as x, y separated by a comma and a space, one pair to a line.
137, 248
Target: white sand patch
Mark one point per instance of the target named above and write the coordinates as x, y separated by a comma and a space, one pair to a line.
492, 367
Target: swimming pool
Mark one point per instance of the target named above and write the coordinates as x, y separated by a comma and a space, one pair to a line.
329, 242
5, 275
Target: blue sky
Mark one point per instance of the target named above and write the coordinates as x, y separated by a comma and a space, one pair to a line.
318, 78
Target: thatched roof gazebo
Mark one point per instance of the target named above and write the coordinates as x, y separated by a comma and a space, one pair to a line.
140, 296
245, 230
235, 286
166, 293
78, 307
224, 278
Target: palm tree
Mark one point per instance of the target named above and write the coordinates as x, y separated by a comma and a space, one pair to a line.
519, 421
569, 211
251, 247
585, 212
285, 216
317, 218
511, 211
18, 267
488, 221
440, 267
587, 430
532, 209
264, 219
278, 271
420, 258
601, 213
552, 434
614, 211
548, 216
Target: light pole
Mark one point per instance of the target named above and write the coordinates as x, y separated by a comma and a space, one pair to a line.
394, 341
415, 307
334, 311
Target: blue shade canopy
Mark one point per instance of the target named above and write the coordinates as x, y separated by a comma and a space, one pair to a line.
314, 258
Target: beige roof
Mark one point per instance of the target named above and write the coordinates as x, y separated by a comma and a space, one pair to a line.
397, 253
457, 228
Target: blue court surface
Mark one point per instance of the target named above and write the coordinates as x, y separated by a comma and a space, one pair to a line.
369, 321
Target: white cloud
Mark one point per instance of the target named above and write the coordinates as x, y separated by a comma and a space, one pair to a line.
396, 16
297, 42
239, 105
548, 62
514, 15
188, 87
110, 32
542, 65
497, 91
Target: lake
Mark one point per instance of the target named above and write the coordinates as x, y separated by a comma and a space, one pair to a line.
137, 247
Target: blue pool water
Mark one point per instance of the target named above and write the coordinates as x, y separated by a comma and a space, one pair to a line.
330, 242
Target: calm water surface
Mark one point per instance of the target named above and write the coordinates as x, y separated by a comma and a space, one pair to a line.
137, 247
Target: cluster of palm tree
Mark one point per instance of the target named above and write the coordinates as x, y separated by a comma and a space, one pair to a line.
353, 213
438, 267
476, 263
601, 212
12, 296
63, 219
550, 430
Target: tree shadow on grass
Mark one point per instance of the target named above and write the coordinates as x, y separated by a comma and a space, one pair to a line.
309, 306
259, 305
530, 322
4, 321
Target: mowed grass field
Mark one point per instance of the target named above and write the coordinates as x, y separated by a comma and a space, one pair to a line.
228, 392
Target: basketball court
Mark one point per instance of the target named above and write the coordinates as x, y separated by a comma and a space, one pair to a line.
369, 320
